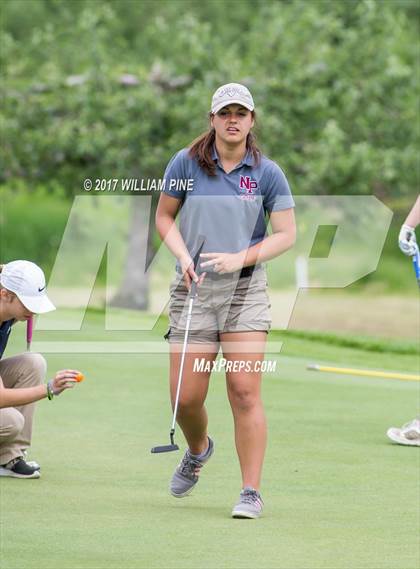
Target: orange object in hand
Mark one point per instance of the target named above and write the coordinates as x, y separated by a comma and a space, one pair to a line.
79, 377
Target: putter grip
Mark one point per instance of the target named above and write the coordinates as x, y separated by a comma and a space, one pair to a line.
29, 330
193, 290
196, 260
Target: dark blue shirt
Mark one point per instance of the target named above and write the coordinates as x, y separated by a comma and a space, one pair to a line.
4, 335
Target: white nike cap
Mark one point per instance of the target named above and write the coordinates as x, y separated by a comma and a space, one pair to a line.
229, 94
27, 281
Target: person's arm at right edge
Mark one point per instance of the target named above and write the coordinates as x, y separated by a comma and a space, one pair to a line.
407, 237
413, 218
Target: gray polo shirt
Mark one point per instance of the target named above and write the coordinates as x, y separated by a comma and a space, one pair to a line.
229, 210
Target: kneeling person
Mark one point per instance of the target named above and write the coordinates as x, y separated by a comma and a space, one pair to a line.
22, 294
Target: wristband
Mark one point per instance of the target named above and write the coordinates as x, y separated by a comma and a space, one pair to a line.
50, 392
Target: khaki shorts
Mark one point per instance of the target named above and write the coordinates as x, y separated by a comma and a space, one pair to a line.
224, 303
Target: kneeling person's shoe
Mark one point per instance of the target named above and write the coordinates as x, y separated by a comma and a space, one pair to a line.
250, 504
186, 475
32, 463
18, 468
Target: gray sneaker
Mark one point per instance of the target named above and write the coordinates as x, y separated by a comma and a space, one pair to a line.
186, 475
250, 504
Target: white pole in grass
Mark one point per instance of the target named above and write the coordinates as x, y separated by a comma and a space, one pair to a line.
301, 270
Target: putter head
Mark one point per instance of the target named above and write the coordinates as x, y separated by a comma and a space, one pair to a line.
164, 448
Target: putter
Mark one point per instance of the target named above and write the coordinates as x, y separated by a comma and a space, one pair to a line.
29, 330
416, 265
193, 295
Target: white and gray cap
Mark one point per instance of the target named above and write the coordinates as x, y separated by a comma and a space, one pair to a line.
27, 281
229, 94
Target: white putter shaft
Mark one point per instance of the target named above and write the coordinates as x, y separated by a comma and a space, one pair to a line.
181, 367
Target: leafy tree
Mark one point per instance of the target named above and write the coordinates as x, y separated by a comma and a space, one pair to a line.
113, 89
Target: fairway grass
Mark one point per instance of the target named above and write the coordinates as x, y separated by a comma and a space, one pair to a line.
337, 493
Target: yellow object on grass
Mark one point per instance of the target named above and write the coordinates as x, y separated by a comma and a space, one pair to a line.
365, 372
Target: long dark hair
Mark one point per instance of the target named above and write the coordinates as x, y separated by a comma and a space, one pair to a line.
201, 149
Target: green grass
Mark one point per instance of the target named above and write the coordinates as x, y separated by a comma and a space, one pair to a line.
337, 493
361, 343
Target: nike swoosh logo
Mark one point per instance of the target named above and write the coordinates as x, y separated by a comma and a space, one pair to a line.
41, 289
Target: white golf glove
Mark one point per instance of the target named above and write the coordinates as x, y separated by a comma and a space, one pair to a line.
407, 241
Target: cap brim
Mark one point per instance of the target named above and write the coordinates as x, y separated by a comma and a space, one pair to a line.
217, 108
37, 304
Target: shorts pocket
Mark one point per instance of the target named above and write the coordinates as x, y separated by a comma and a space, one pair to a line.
248, 284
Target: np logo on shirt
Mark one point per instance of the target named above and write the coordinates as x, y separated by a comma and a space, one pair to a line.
248, 185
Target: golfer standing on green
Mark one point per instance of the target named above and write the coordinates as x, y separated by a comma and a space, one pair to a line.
229, 192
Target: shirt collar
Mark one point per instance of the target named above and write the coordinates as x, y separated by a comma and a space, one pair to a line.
247, 160
7, 324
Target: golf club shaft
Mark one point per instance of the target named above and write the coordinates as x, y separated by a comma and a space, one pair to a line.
184, 349
193, 295
416, 265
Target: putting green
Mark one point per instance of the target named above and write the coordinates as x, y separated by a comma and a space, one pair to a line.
337, 493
